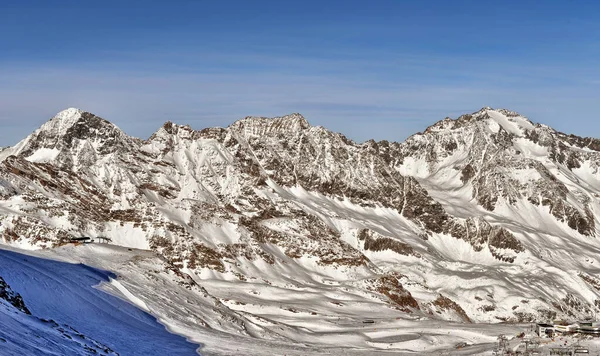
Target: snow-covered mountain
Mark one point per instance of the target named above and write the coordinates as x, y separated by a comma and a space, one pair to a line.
486, 218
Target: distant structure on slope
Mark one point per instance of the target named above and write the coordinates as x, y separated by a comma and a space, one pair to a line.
87, 239
544, 330
81, 240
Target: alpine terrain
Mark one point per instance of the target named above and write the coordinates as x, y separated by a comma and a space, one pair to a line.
272, 236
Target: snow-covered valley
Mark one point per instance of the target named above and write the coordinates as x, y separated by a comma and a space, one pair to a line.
133, 309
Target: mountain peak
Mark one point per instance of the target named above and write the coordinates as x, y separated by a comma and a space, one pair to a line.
62, 121
74, 123
70, 136
253, 125
67, 113
488, 117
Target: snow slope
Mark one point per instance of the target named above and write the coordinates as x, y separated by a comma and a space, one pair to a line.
114, 326
70, 296
55, 285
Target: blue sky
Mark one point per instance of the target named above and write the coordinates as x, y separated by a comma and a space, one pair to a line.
378, 69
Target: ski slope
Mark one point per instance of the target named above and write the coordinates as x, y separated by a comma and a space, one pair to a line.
71, 295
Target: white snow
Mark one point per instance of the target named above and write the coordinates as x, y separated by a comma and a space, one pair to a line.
62, 121
309, 321
44, 155
514, 125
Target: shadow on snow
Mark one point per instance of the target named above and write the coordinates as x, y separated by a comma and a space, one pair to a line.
65, 292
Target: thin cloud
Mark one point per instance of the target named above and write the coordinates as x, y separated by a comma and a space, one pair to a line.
356, 103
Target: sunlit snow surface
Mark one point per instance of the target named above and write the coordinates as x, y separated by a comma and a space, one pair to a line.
99, 300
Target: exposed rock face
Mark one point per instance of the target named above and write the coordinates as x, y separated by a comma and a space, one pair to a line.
13, 298
72, 140
375, 242
445, 304
505, 158
482, 190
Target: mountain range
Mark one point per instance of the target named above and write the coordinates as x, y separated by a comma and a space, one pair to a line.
278, 226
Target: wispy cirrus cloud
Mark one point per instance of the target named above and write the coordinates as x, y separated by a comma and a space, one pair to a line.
364, 95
